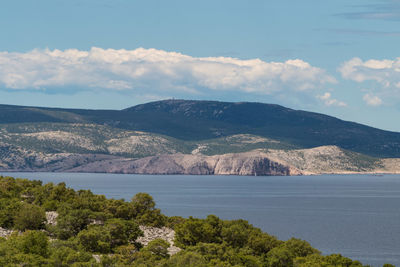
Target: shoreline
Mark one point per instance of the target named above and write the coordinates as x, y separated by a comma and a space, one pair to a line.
182, 174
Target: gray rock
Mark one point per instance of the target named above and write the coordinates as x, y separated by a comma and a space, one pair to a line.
153, 233
51, 217
5, 232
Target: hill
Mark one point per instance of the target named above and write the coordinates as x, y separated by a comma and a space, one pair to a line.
192, 137
197, 121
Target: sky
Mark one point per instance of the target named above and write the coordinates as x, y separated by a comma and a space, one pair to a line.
337, 57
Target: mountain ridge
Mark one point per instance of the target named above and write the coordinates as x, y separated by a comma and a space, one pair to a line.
192, 137
192, 120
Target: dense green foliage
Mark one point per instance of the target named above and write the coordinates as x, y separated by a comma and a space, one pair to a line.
94, 231
203, 120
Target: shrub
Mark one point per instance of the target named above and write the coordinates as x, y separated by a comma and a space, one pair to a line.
158, 247
95, 239
142, 203
194, 231
261, 242
236, 233
65, 256
279, 257
33, 242
71, 222
30, 217
144, 211
188, 259
8, 210
122, 232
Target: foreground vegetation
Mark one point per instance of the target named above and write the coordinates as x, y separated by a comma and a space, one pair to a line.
94, 231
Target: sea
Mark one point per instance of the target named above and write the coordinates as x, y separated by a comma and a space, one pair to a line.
357, 216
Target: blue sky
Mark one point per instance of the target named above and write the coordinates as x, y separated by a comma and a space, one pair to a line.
335, 57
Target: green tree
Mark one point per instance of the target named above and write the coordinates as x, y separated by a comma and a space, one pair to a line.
299, 248
224, 255
95, 239
142, 203
158, 247
187, 259
317, 260
122, 232
152, 218
8, 210
30, 217
65, 256
126, 254
71, 222
288, 251
262, 243
194, 231
279, 257
33, 242
119, 209
144, 211
236, 233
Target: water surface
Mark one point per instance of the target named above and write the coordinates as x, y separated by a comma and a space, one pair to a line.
355, 215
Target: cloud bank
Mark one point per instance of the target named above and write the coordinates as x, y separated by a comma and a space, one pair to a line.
155, 70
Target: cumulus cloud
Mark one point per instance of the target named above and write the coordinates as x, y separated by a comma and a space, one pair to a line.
385, 72
382, 76
329, 101
154, 69
372, 100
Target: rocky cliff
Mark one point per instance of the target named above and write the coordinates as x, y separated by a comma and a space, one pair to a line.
250, 163
326, 159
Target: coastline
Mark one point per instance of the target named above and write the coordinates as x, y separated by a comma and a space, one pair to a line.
2, 172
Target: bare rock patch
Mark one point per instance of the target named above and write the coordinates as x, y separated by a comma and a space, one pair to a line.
152, 233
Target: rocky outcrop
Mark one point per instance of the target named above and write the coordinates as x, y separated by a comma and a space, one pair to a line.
13, 158
51, 217
262, 162
391, 166
5, 232
152, 233
249, 163
332, 160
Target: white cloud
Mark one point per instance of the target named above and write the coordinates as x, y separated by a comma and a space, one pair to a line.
381, 78
372, 100
329, 101
386, 72
155, 70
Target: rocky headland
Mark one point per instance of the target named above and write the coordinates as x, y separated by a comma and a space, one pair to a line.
319, 160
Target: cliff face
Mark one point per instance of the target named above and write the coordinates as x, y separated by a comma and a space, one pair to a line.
320, 160
251, 163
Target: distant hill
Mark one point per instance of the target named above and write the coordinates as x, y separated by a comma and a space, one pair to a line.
193, 122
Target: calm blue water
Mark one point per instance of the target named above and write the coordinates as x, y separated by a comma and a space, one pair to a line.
355, 215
